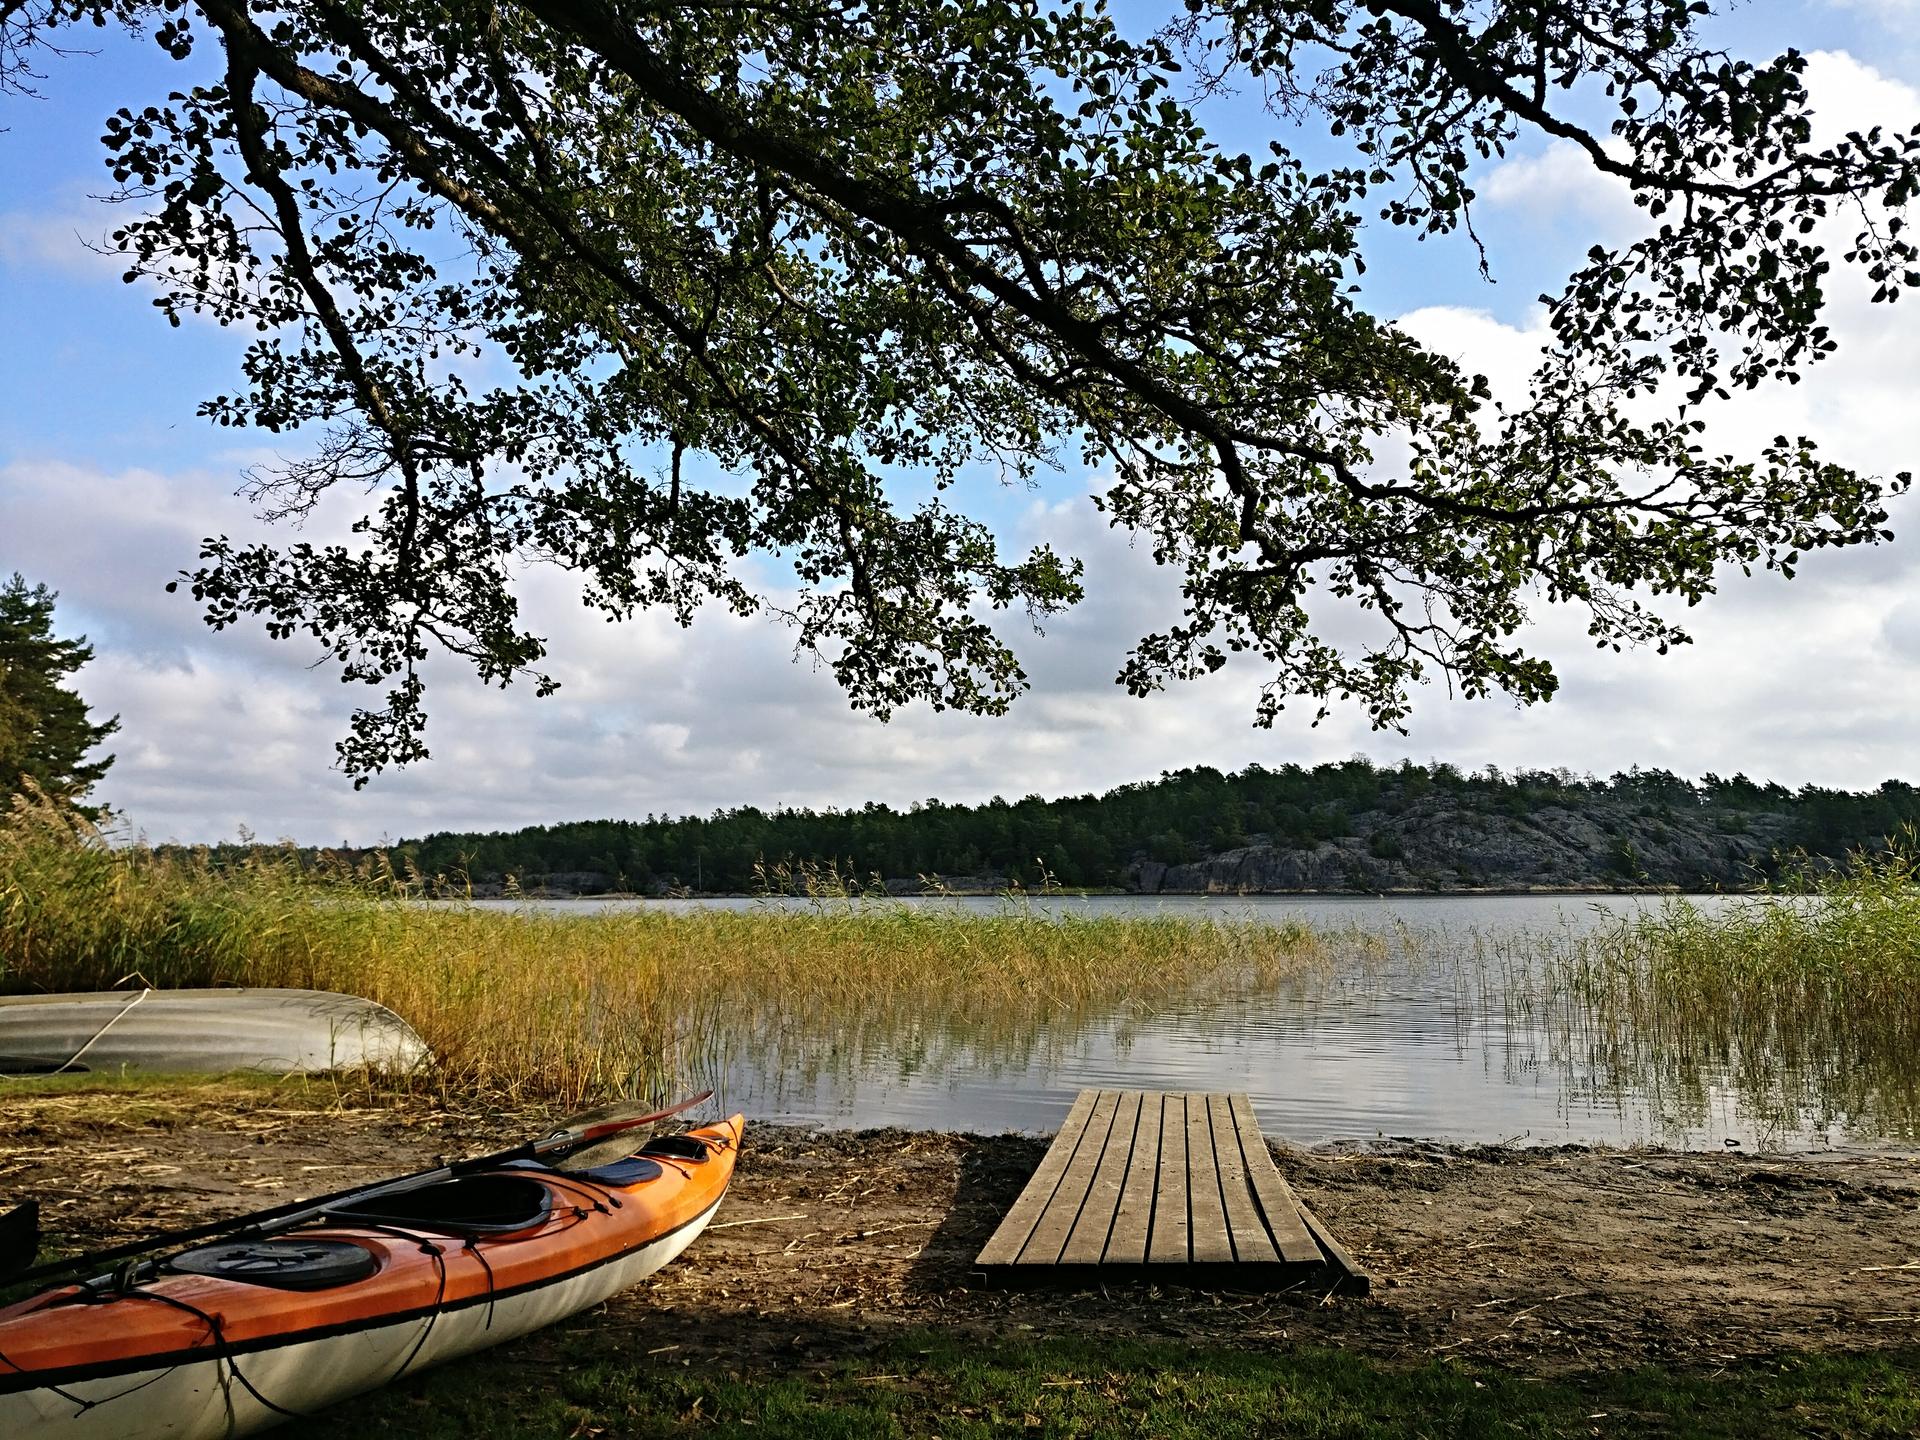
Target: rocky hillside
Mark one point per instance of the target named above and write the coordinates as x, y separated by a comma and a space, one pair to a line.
1348, 825
1433, 844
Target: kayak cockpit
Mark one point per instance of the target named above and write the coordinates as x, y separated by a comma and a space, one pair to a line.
466, 1205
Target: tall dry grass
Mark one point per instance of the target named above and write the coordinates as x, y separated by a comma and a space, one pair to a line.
570, 1007
1804, 1004
79, 913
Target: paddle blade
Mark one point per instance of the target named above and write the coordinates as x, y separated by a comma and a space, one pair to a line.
605, 1152
588, 1120
19, 1237
621, 1115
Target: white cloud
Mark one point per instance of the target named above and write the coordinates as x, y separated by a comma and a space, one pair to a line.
1808, 681
67, 240
1899, 17
1900, 631
1846, 94
1857, 404
69, 235
66, 229
226, 730
1813, 680
1562, 183
1481, 344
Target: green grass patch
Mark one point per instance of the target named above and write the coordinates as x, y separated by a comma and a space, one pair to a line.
583, 1384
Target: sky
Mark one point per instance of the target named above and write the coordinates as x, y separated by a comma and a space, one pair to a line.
108, 482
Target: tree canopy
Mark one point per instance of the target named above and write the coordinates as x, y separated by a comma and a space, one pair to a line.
646, 287
45, 731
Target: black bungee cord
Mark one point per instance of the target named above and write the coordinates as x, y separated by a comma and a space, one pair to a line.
473, 1248
222, 1349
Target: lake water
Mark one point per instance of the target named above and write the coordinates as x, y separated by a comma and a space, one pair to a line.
1396, 1047
1453, 913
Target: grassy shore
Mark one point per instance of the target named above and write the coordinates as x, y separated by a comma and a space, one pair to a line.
1577, 1292
1803, 1002
571, 1008
924, 1383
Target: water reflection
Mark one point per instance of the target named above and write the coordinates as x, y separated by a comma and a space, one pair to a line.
1440, 1017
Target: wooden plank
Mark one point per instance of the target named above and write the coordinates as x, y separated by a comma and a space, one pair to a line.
1011, 1237
1133, 1219
1056, 1222
1209, 1241
1251, 1243
1138, 1182
1088, 1241
1169, 1243
1277, 1203
1354, 1280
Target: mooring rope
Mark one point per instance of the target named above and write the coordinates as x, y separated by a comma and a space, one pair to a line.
120, 1015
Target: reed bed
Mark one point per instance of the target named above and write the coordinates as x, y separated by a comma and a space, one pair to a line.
1802, 1004
1802, 1007
566, 1007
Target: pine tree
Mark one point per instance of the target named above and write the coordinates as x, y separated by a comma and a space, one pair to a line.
45, 731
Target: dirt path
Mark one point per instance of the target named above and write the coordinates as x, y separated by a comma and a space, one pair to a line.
1547, 1260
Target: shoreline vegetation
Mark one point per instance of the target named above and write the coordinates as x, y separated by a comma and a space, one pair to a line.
1803, 1001
1800, 998
1555, 1292
570, 1008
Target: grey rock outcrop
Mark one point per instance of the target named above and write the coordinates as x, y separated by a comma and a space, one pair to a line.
1433, 844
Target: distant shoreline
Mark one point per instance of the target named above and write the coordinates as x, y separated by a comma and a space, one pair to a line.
1338, 829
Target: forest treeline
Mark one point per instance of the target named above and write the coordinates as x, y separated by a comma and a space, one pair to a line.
1093, 840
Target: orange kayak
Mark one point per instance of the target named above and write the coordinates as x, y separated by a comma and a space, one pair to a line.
231, 1338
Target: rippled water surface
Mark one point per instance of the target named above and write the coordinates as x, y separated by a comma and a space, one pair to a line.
1419, 1039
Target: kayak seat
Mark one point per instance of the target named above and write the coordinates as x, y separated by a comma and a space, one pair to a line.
468, 1205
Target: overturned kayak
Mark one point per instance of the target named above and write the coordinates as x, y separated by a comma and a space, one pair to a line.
236, 1336
204, 1031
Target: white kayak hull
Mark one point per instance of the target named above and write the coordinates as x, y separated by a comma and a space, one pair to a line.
202, 1031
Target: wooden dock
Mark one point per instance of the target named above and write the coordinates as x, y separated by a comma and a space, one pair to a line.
1172, 1188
